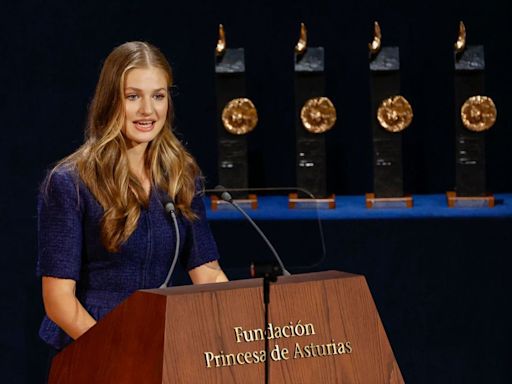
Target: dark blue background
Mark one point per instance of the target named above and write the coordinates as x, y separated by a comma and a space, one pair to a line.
51, 54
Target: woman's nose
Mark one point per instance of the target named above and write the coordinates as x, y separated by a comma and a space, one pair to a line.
146, 107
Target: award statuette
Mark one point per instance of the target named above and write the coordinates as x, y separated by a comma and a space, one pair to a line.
315, 114
391, 114
474, 114
236, 117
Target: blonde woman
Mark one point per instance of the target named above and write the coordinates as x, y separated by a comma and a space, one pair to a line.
103, 232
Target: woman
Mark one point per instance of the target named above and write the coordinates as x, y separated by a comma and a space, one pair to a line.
102, 229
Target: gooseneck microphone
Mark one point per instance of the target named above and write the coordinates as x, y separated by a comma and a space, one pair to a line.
171, 210
280, 190
226, 196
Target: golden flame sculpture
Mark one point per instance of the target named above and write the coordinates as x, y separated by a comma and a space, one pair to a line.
301, 46
376, 43
460, 44
221, 43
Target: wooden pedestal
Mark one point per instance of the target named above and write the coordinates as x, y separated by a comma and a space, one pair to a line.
455, 201
251, 202
294, 202
388, 202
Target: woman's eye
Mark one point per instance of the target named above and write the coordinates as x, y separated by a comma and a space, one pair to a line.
131, 97
159, 96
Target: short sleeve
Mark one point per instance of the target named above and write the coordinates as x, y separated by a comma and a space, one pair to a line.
59, 227
200, 246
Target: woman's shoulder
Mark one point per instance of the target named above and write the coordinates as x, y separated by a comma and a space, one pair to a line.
61, 177
63, 183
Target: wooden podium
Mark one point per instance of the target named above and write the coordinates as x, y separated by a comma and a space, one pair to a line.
323, 328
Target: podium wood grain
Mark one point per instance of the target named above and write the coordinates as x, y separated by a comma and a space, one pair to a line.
161, 336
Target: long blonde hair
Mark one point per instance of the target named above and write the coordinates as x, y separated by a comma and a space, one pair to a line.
102, 163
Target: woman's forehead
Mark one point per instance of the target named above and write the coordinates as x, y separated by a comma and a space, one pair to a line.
146, 78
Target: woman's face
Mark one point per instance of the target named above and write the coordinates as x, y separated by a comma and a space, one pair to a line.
145, 105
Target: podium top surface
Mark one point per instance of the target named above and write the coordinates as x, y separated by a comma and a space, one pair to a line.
250, 283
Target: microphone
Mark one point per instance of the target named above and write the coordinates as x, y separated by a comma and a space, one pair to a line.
219, 188
170, 208
226, 196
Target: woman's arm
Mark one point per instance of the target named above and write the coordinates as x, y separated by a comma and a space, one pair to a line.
63, 308
207, 273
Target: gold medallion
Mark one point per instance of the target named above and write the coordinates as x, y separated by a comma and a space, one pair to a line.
239, 116
395, 114
478, 113
318, 115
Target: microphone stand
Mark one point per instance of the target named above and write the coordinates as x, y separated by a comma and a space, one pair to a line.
226, 196
266, 300
171, 210
219, 190
269, 272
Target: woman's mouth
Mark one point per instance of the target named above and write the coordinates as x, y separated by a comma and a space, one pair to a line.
144, 125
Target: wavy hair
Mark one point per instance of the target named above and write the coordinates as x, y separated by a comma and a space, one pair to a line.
102, 162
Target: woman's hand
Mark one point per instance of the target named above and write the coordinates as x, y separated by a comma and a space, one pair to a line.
207, 273
63, 308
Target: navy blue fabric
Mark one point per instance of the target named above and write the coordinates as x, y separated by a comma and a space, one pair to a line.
69, 247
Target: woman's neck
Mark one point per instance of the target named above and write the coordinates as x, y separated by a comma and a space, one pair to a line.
136, 162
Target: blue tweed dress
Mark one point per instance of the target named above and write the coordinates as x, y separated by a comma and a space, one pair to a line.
69, 247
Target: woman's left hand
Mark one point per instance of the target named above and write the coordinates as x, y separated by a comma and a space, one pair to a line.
207, 273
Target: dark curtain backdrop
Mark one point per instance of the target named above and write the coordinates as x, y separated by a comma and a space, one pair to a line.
51, 54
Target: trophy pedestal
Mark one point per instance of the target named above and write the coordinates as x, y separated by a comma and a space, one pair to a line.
251, 202
455, 201
471, 122
388, 202
391, 114
314, 115
236, 117
296, 202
